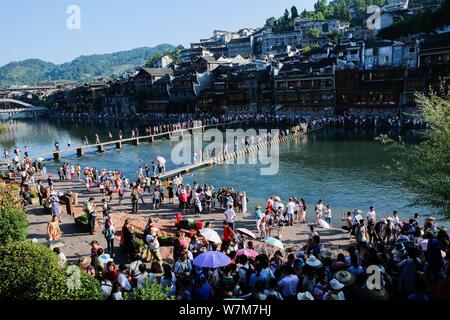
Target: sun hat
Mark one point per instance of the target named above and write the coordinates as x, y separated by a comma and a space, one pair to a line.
388, 218
85, 262
312, 261
345, 277
305, 296
336, 285
326, 252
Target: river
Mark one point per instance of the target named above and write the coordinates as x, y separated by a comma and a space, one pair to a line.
344, 167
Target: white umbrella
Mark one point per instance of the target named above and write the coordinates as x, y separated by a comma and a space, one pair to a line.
246, 232
274, 242
210, 235
161, 159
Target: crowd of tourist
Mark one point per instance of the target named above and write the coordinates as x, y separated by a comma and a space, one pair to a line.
389, 257
408, 258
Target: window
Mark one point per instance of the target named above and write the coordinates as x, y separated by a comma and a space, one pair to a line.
292, 84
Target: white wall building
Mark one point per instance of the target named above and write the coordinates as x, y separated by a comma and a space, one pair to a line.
163, 62
270, 40
325, 26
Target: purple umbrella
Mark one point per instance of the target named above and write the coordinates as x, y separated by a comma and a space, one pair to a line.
212, 259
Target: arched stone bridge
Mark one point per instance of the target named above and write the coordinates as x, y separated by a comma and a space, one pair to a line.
9, 108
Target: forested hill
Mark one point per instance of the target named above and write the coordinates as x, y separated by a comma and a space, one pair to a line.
83, 68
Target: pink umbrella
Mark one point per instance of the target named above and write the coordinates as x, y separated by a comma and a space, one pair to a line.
248, 252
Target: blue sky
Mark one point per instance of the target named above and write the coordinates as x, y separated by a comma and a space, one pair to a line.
37, 29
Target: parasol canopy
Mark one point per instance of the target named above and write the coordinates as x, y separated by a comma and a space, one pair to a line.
248, 252
210, 235
246, 232
161, 159
212, 259
274, 242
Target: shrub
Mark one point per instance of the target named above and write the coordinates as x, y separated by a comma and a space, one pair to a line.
13, 218
31, 271
153, 291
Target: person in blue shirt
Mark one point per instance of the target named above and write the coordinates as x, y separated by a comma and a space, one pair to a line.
203, 290
258, 276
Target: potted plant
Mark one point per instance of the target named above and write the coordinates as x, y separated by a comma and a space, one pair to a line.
139, 235
140, 246
83, 222
34, 197
166, 240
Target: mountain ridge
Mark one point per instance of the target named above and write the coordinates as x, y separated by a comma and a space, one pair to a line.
81, 69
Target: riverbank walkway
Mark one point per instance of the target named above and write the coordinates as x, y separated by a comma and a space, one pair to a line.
76, 241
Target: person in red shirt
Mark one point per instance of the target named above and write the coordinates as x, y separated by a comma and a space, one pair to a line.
228, 235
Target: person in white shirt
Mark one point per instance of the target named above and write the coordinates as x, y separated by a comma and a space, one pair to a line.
230, 216
371, 214
371, 220
290, 208
106, 287
61, 256
395, 219
328, 214
145, 277
395, 222
320, 210
123, 278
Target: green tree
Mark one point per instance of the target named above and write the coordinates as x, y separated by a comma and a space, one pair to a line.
318, 16
13, 218
153, 291
314, 33
335, 35
294, 12
270, 22
150, 61
425, 167
31, 271
341, 12
320, 6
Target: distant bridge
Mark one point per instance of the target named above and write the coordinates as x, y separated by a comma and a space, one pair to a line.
11, 108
